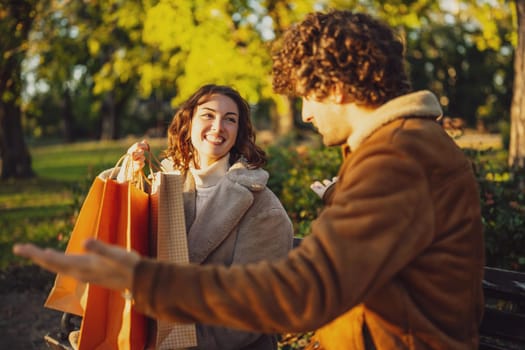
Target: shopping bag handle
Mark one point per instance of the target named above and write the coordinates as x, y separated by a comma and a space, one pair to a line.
155, 164
138, 178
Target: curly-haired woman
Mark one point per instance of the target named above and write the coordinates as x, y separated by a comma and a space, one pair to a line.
231, 216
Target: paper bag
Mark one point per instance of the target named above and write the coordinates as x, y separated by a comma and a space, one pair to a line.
170, 240
116, 213
68, 294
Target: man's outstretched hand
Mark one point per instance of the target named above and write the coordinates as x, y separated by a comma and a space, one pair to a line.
103, 264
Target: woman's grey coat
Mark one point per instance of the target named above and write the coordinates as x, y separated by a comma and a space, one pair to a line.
241, 222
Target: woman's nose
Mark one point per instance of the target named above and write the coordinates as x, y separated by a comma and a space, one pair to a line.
216, 124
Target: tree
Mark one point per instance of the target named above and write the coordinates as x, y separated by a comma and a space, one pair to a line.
205, 42
54, 42
16, 19
110, 30
283, 13
517, 111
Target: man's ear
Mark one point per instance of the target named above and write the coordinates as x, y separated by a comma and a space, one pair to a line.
338, 93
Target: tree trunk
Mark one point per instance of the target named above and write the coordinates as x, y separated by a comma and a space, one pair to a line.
15, 157
282, 115
108, 115
68, 119
517, 110
17, 20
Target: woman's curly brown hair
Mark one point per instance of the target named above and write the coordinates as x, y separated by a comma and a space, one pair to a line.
181, 150
353, 50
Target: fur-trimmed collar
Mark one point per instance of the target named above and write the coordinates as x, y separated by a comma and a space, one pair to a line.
253, 179
422, 104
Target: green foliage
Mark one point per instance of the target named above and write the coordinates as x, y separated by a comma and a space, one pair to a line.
292, 170
206, 42
143, 55
502, 195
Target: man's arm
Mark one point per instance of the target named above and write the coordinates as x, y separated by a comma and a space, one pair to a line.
379, 219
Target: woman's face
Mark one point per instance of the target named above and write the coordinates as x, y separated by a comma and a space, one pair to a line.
214, 128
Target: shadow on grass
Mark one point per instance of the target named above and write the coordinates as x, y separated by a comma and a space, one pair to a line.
34, 213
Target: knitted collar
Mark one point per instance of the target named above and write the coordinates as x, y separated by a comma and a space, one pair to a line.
211, 175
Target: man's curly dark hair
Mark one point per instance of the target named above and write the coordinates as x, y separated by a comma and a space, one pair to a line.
352, 50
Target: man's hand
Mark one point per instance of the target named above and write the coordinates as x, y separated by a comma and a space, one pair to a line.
320, 187
103, 264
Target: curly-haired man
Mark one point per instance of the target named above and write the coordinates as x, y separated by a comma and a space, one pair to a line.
395, 259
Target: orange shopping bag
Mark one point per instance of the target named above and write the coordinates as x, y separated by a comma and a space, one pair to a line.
68, 294
116, 213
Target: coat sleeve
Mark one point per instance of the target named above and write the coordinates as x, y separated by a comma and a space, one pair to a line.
379, 219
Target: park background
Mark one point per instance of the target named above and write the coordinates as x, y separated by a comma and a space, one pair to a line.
81, 80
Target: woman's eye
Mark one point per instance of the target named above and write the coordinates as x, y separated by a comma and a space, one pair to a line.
231, 120
207, 116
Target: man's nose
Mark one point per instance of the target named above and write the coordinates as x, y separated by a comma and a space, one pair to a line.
305, 113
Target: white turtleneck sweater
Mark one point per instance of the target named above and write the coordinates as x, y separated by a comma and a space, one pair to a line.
206, 180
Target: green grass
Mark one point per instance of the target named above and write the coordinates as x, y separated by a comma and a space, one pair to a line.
43, 209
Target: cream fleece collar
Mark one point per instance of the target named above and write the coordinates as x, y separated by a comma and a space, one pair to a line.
422, 104
253, 179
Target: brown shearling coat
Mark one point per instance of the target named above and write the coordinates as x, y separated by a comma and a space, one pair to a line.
398, 248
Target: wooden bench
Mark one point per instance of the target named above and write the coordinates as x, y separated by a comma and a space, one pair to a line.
502, 327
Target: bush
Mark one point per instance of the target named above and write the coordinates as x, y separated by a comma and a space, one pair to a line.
502, 194
292, 170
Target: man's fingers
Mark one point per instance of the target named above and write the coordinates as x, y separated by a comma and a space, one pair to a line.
33, 252
112, 252
327, 182
49, 259
101, 248
23, 250
316, 185
105, 265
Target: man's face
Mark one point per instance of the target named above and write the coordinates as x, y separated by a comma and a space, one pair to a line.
329, 119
